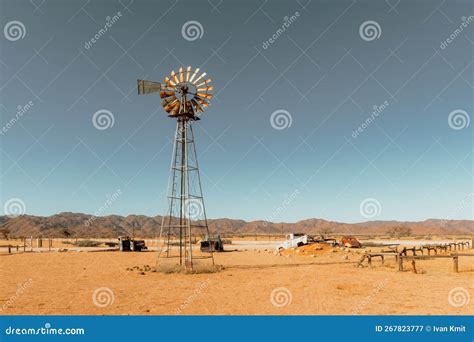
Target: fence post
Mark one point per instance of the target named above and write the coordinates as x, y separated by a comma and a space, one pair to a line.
9, 249
455, 264
400, 263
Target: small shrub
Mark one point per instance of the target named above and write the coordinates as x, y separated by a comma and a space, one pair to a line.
87, 243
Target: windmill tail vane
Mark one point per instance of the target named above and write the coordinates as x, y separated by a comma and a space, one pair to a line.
184, 96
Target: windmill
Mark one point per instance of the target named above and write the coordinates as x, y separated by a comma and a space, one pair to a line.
184, 95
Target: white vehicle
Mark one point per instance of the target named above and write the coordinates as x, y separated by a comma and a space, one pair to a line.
293, 240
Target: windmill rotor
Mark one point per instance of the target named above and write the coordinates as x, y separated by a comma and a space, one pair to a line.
185, 93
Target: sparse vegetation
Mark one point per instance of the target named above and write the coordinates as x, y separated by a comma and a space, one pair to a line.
325, 231
198, 269
86, 243
5, 233
399, 232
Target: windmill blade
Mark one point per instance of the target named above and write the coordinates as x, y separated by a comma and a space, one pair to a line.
204, 95
164, 94
194, 75
206, 82
147, 87
202, 102
206, 89
188, 71
197, 106
169, 82
197, 79
175, 108
171, 106
181, 75
168, 100
175, 78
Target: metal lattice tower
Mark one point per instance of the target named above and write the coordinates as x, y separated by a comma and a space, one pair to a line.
184, 97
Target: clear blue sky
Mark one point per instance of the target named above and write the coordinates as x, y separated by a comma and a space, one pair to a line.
320, 70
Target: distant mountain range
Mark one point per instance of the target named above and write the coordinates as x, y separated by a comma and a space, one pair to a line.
88, 226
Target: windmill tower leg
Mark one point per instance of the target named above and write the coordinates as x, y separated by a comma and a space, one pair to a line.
186, 216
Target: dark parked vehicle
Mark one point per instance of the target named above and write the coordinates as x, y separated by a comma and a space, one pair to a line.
212, 243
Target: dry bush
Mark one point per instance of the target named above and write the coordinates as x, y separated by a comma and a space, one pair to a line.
86, 243
198, 269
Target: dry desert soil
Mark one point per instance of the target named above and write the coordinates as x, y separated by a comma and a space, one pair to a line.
253, 282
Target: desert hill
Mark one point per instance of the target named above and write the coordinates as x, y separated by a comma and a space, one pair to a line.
82, 225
